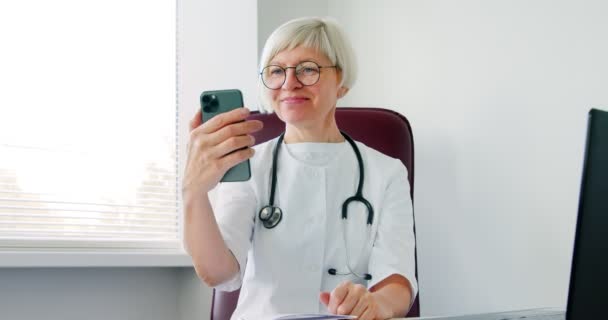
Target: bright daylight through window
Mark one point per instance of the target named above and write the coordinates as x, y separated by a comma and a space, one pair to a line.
88, 124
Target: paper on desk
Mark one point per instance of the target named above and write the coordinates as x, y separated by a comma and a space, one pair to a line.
312, 316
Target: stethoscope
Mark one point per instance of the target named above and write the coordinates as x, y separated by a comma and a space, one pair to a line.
271, 215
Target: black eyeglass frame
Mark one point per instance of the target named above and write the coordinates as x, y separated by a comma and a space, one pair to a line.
294, 68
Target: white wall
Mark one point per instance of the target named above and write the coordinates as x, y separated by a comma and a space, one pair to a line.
102, 293
497, 94
273, 13
193, 298
217, 45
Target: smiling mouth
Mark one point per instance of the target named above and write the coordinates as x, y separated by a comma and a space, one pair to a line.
294, 99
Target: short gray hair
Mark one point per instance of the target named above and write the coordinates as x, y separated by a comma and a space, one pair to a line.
320, 33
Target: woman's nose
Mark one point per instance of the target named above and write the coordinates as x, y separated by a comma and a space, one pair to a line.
291, 81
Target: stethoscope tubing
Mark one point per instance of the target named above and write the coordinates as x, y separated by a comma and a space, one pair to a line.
271, 216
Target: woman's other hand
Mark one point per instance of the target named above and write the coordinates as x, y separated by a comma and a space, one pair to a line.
212, 145
354, 299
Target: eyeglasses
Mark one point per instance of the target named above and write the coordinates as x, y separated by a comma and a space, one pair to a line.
307, 73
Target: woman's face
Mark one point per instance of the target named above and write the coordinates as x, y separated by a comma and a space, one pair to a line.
305, 106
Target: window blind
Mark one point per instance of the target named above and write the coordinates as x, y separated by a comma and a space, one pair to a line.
88, 125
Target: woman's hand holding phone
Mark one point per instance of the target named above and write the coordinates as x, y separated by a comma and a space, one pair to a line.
214, 148
216, 144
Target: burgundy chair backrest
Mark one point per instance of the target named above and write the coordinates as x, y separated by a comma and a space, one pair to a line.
384, 130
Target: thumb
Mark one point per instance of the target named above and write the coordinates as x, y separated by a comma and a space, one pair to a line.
324, 297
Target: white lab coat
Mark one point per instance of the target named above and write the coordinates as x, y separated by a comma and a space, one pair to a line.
283, 270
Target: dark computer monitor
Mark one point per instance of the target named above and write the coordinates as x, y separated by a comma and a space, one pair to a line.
588, 294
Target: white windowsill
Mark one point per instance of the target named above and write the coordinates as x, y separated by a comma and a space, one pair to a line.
62, 258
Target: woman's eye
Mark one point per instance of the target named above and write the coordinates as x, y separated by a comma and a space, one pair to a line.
309, 70
276, 72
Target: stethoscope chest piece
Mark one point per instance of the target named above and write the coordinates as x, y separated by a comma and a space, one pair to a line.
271, 216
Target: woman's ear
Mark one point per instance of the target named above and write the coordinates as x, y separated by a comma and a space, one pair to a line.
342, 92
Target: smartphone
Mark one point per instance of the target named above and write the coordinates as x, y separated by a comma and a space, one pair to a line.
220, 101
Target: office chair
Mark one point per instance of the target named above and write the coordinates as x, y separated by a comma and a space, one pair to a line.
384, 130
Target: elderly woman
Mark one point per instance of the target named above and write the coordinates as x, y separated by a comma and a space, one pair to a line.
310, 248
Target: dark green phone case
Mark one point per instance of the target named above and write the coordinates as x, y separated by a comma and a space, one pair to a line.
214, 103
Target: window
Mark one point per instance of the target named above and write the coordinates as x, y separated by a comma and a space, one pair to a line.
88, 124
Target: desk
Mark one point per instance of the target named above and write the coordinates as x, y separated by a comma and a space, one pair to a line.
528, 314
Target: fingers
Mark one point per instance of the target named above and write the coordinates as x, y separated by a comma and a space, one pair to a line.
324, 297
199, 140
356, 293
235, 158
222, 127
236, 129
196, 120
223, 119
337, 296
368, 314
350, 299
230, 145
362, 304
